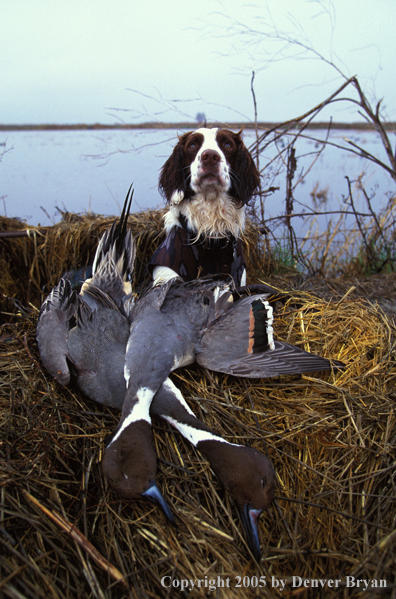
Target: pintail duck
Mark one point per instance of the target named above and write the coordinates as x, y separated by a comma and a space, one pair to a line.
120, 353
179, 322
82, 338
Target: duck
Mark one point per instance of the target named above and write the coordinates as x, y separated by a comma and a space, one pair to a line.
177, 323
82, 340
120, 352
82, 336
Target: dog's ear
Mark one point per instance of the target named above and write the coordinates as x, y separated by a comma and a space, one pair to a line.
246, 179
173, 173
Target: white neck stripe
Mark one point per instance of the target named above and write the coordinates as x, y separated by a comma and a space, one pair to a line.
140, 411
194, 435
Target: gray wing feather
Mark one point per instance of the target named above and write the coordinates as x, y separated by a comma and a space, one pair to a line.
284, 359
52, 329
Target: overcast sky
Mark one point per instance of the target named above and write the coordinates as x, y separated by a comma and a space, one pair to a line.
68, 61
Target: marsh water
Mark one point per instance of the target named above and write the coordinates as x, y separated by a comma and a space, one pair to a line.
91, 170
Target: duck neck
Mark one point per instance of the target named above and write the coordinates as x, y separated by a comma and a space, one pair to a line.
135, 409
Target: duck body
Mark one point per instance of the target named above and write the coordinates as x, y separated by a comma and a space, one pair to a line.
84, 343
206, 320
167, 324
159, 341
165, 334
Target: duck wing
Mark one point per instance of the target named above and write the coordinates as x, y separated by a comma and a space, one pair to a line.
96, 348
56, 313
240, 342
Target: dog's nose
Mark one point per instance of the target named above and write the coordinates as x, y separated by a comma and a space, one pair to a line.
210, 157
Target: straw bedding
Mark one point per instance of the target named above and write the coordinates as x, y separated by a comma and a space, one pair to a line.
64, 534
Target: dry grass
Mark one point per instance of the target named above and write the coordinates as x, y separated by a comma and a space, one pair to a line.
331, 437
363, 246
34, 264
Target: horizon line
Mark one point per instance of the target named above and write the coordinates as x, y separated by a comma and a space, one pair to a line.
266, 125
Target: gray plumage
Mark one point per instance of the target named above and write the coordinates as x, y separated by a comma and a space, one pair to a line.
239, 342
200, 320
82, 337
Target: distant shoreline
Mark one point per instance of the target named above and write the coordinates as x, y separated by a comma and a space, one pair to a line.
187, 125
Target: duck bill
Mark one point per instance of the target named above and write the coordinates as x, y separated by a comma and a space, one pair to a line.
154, 495
250, 518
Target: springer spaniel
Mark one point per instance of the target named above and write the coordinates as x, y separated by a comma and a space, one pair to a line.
207, 181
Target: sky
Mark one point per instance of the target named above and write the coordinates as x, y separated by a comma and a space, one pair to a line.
107, 61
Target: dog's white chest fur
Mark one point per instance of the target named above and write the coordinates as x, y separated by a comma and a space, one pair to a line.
215, 217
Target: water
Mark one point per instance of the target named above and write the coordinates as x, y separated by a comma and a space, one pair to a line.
324, 175
92, 170
80, 171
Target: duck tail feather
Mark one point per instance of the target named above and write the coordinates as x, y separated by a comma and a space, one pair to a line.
117, 244
241, 342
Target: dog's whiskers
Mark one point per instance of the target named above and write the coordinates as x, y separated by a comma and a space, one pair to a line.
234, 176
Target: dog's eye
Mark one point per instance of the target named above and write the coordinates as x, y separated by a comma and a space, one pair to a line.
192, 145
227, 145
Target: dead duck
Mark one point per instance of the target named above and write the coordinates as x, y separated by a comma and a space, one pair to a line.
120, 354
173, 325
83, 337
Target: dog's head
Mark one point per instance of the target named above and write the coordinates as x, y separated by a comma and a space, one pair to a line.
211, 163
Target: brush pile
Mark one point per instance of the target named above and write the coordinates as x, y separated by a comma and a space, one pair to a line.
331, 439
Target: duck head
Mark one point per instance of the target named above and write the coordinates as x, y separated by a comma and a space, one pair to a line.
129, 465
249, 477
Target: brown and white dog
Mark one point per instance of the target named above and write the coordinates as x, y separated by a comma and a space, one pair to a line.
207, 181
